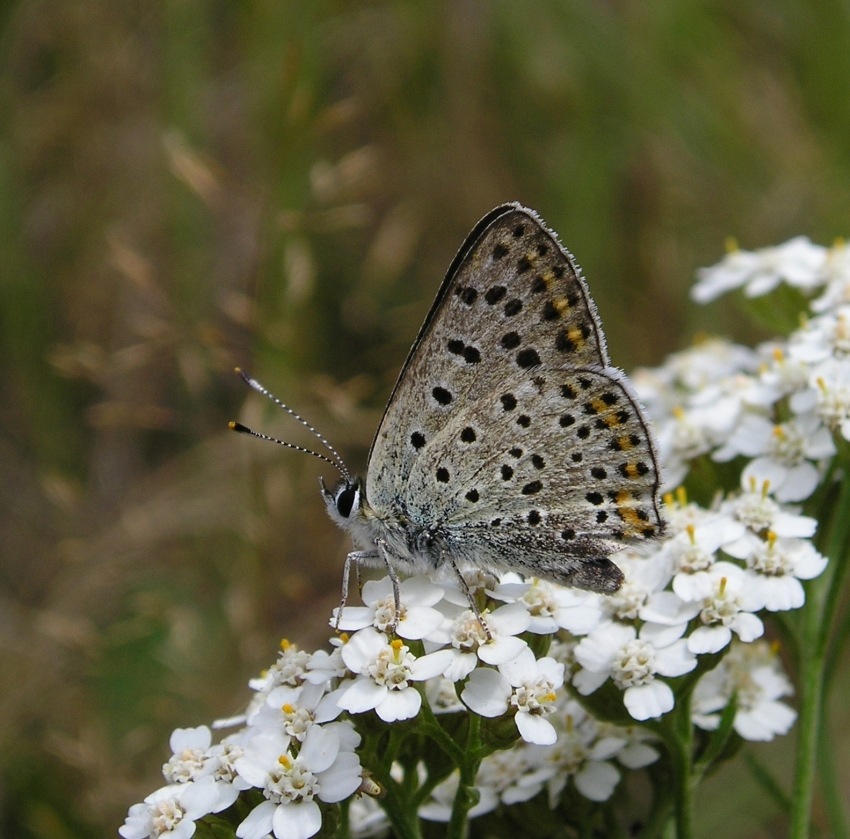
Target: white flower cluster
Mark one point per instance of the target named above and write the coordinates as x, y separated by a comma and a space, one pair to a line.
293, 749
588, 753
494, 677
766, 418
700, 591
798, 263
777, 405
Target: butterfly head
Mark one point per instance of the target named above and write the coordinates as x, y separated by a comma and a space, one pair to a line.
344, 500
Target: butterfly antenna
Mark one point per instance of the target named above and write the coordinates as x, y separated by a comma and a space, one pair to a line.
335, 460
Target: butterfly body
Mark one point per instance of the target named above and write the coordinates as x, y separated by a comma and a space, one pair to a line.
509, 443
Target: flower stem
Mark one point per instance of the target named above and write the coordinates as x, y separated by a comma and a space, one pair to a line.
833, 795
817, 621
379, 753
465, 797
683, 766
811, 704
432, 728
677, 732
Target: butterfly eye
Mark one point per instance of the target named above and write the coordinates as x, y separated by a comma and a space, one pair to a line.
345, 500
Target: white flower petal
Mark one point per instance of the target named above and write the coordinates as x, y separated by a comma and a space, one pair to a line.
422, 591
297, 820
607, 747
649, 701
462, 664
328, 708
509, 620
362, 648
709, 639
252, 772
800, 482
579, 619
522, 668
536, 729
362, 695
419, 622
779, 594
809, 563
596, 651
353, 618
692, 587
675, 660
765, 722
667, 608
663, 636
258, 823
342, 779
637, 755
190, 738
587, 681
551, 669
501, 649
399, 705
201, 797
596, 780
748, 627
791, 524
764, 469
320, 747
432, 665
487, 692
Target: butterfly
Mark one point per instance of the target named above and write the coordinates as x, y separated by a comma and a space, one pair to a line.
509, 442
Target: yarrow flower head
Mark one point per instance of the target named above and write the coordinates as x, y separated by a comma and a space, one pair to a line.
170, 811
526, 685
325, 768
587, 753
750, 673
634, 664
386, 671
726, 605
471, 642
417, 619
798, 262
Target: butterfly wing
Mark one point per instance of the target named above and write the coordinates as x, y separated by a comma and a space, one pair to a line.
508, 436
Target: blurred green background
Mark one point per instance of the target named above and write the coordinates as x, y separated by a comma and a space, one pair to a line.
187, 185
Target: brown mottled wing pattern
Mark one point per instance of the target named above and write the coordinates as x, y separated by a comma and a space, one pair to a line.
508, 435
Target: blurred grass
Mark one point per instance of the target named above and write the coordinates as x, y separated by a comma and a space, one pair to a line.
185, 186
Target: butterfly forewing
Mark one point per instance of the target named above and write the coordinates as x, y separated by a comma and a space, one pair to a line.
513, 298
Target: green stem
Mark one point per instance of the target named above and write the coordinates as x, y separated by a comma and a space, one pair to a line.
405, 823
834, 796
658, 817
379, 758
676, 730
430, 727
811, 704
684, 765
465, 797
818, 617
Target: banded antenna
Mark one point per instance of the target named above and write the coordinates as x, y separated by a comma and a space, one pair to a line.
335, 460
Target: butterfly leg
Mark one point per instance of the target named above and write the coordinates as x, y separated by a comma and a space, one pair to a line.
471, 598
385, 553
355, 557
357, 567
